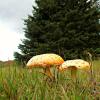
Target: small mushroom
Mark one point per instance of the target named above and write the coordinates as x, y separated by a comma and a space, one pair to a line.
74, 65
45, 61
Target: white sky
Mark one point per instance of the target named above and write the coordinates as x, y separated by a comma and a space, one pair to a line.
11, 25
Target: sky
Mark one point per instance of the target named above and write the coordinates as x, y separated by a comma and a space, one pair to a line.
12, 13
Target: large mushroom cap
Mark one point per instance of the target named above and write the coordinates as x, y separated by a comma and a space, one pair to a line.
45, 60
77, 63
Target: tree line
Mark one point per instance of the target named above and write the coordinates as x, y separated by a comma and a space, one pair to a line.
65, 27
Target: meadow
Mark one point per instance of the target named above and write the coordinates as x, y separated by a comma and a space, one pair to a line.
18, 83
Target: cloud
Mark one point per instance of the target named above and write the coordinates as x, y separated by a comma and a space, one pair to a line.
12, 13
15, 8
9, 40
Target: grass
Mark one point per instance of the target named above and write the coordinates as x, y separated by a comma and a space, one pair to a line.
17, 83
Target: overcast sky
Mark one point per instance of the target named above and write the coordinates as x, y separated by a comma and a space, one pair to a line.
12, 13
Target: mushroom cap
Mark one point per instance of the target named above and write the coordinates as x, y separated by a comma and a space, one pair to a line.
77, 63
45, 60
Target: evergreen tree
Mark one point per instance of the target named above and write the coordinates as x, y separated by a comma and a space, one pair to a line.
65, 27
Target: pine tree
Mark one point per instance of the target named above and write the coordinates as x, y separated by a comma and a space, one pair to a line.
65, 27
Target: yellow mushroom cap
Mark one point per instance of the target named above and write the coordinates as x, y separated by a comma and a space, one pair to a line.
45, 60
77, 63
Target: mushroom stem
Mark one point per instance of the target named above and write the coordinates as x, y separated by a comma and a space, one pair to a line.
73, 73
48, 73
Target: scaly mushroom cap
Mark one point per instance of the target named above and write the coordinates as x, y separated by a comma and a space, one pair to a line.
45, 60
77, 63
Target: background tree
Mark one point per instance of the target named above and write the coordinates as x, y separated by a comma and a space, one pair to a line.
65, 27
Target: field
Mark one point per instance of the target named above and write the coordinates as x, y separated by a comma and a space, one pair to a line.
17, 83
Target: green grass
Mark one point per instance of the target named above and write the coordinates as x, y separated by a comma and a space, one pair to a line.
18, 83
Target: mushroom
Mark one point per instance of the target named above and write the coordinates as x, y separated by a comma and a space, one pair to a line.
45, 61
74, 65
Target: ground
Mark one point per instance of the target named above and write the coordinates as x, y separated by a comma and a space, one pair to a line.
18, 83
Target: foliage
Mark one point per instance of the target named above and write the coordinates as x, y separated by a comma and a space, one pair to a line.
64, 27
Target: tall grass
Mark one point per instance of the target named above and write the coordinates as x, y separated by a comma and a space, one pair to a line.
17, 83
